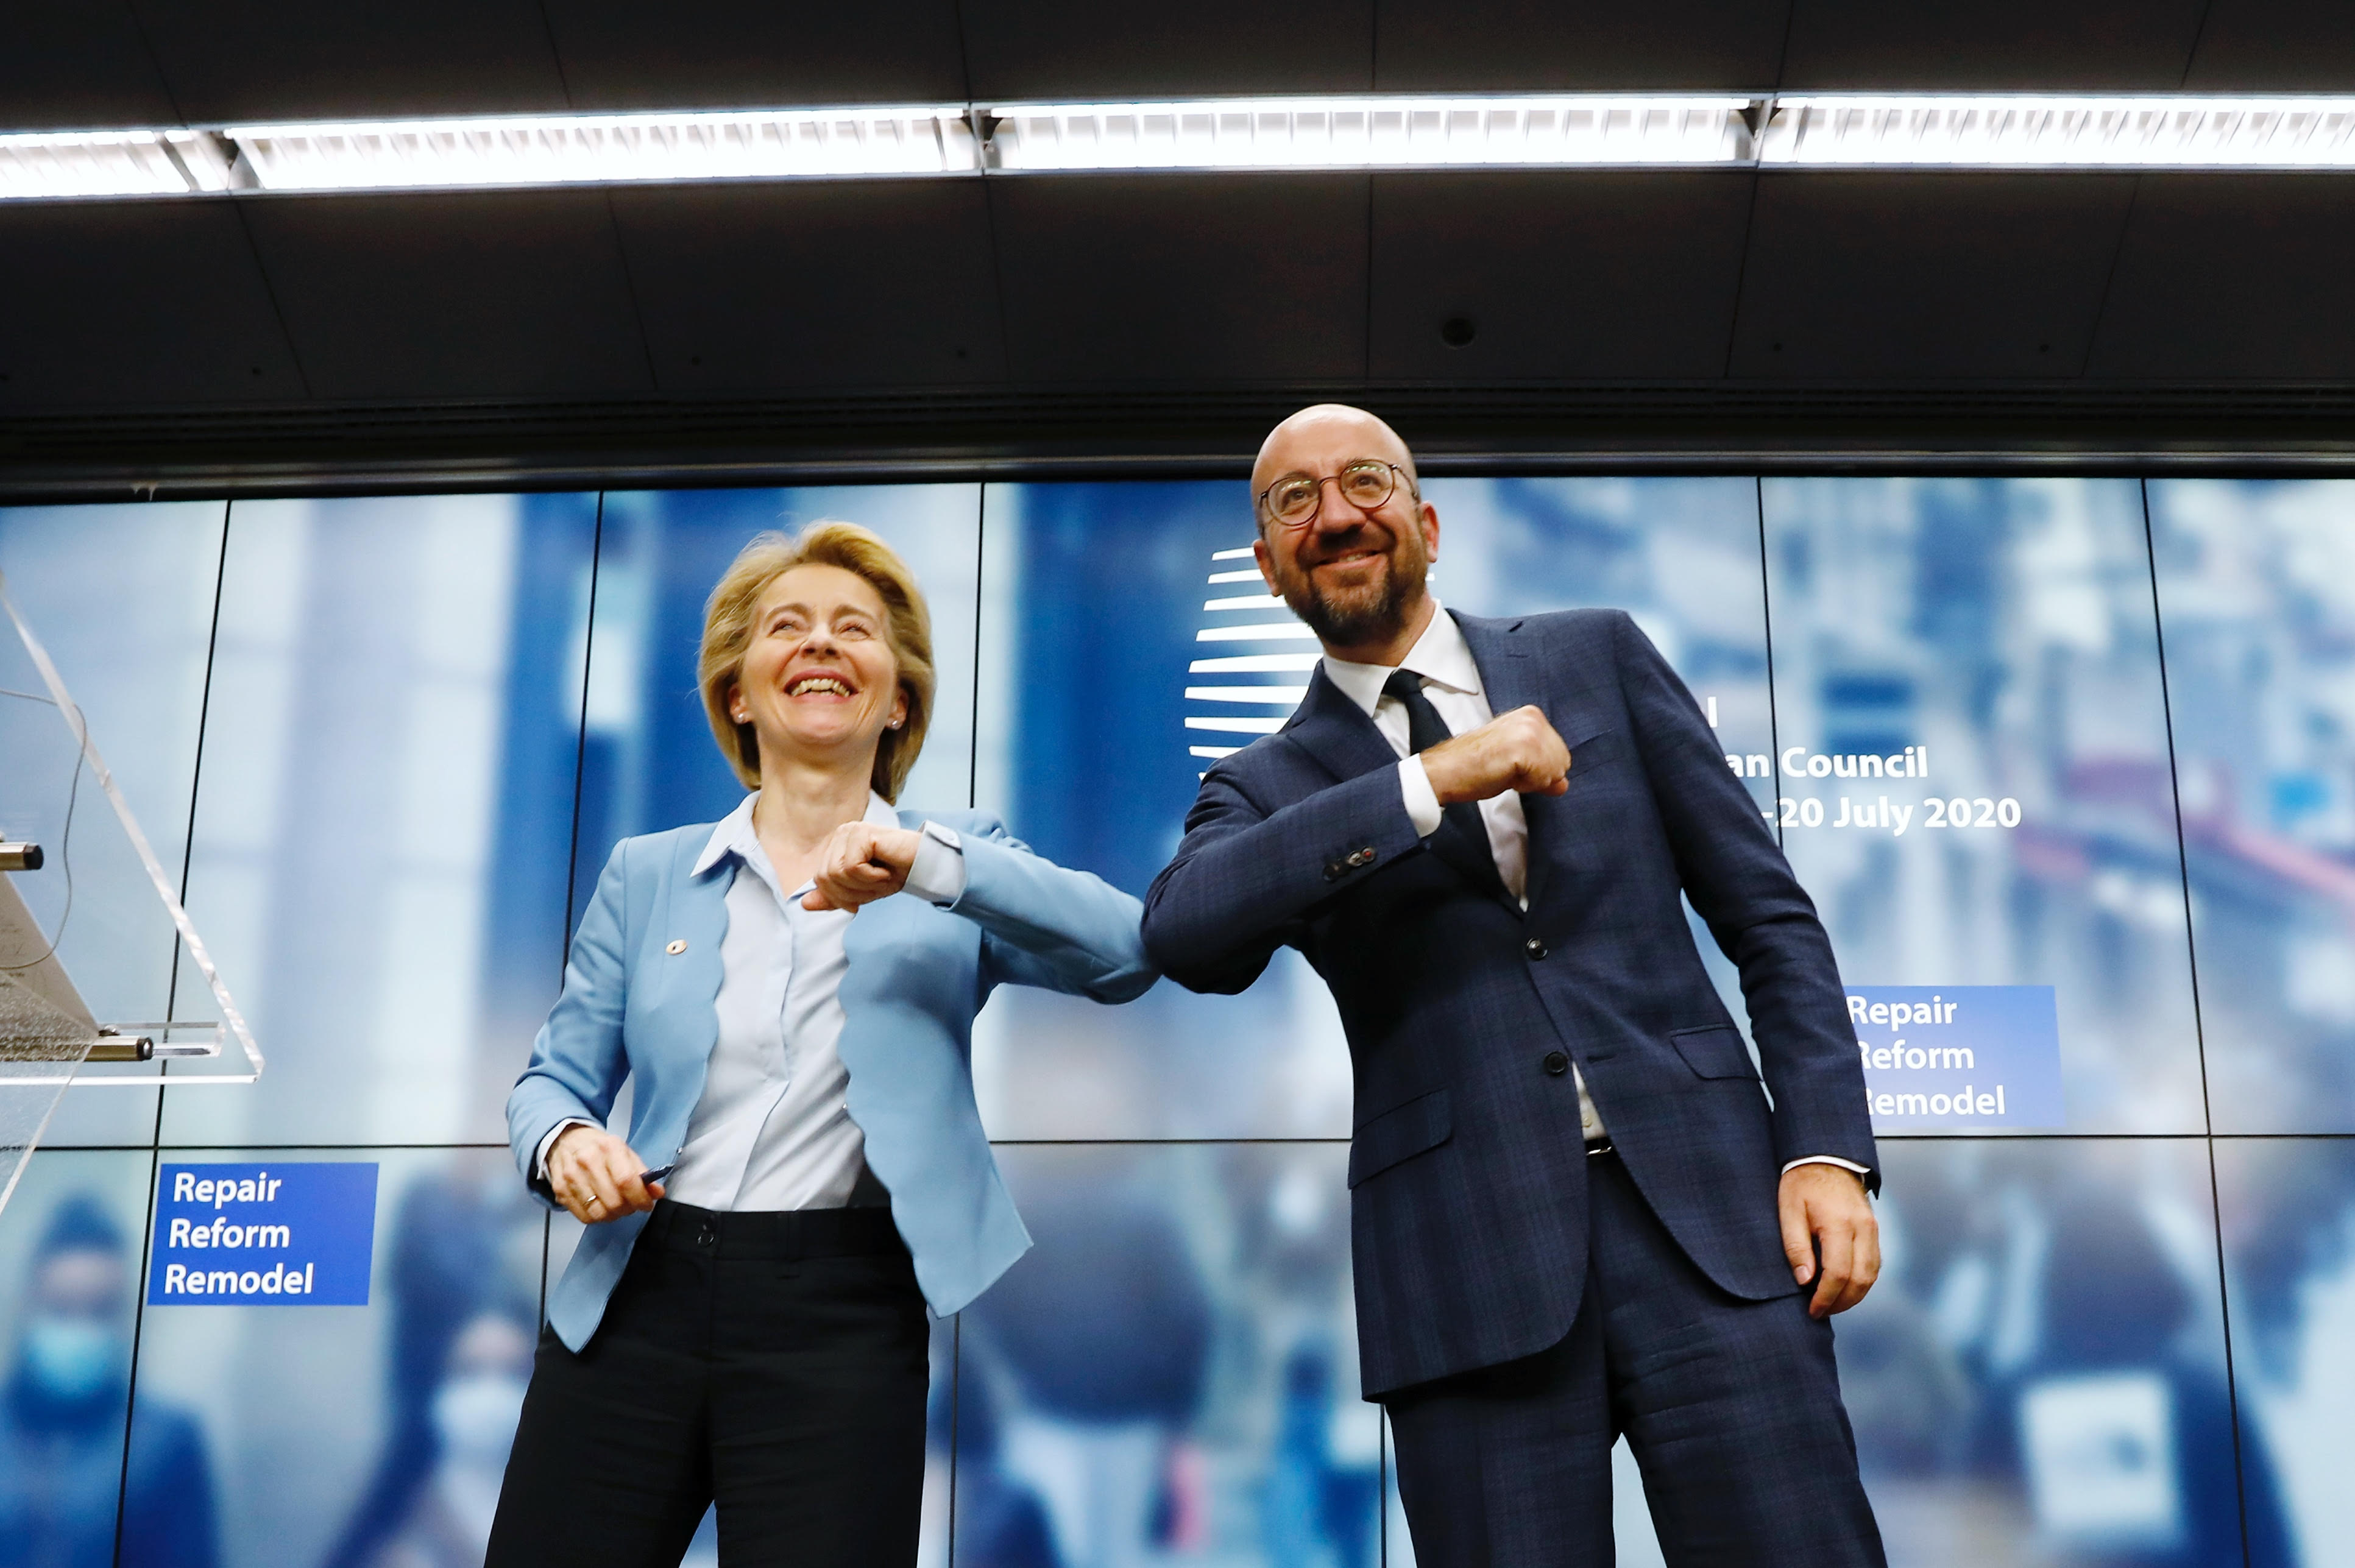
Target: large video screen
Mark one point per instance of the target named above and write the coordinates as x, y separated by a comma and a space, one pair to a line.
2068, 766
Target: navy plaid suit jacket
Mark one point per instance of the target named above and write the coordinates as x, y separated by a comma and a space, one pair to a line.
1467, 1167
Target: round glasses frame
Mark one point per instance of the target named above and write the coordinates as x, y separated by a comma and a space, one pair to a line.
1367, 483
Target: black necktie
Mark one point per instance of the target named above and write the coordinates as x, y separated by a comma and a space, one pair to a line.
1462, 838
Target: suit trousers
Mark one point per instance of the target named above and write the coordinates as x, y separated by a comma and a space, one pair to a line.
773, 1364
1731, 1408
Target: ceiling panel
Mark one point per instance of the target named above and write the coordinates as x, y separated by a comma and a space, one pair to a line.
760, 287
2230, 276
1561, 275
1174, 278
135, 303
70, 67
1063, 49
478, 294
2275, 46
2093, 46
1576, 45
1924, 277
297, 59
735, 54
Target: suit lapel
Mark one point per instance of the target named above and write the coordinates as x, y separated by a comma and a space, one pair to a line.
1514, 678
1336, 732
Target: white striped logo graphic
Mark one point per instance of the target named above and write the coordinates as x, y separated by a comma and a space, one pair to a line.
1226, 705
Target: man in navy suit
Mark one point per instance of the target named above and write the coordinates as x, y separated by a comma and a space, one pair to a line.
1574, 1212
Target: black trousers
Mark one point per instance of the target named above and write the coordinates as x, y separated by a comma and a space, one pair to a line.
774, 1364
1731, 1408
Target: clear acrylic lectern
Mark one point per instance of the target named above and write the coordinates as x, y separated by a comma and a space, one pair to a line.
92, 935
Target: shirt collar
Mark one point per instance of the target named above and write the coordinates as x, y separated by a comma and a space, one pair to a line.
734, 834
1439, 656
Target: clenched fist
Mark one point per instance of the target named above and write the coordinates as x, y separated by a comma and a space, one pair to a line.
1519, 751
862, 863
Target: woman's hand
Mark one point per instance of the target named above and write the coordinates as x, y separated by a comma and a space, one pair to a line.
598, 1177
861, 863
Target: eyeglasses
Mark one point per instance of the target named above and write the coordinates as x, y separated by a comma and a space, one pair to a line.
1294, 500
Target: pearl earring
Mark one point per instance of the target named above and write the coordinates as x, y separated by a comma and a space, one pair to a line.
895, 724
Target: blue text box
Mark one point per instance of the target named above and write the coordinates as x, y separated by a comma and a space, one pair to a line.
1959, 1056
288, 1234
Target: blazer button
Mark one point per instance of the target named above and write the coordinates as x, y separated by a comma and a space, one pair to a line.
1556, 1062
1534, 947
1335, 871
677, 945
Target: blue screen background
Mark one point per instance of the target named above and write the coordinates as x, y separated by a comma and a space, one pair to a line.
390, 741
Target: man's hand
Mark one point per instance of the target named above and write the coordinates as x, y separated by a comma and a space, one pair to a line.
1519, 751
862, 863
598, 1177
1830, 1236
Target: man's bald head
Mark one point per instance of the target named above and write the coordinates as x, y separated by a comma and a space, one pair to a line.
1352, 568
1306, 442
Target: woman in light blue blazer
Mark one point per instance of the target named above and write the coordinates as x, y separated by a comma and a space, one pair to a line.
792, 993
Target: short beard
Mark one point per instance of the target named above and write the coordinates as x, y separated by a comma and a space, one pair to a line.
1374, 617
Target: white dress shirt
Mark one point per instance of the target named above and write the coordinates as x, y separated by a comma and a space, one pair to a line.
772, 1130
1451, 680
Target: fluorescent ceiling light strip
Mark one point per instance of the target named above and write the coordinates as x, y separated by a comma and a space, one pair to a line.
112, 163
578, 149
2052, 132
1370, 133
1987, 131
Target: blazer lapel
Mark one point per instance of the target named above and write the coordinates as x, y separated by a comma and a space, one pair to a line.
1514, 679
1336, 732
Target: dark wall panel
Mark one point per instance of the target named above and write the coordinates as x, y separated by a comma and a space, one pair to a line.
2085, 46
291, 59
1074, 49
497, 294
2233, 275
2274, 46
1531, 46
1563, 275
736, 54
132, 302
79, 65
1167, 277
804, 285
1914, 278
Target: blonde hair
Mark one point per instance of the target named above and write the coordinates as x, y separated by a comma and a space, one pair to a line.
907, 630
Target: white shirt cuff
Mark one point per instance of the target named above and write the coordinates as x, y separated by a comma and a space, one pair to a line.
938, 875
1422, 799
1828, 1160
539, 1156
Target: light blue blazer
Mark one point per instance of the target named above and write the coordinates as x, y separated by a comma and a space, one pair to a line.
915, 976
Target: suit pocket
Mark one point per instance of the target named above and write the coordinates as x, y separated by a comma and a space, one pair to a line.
1715, 1051
1399, 1133
1594, 752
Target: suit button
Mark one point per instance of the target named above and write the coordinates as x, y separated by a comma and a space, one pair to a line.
1556, 1062
1534, 947
1335, 871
